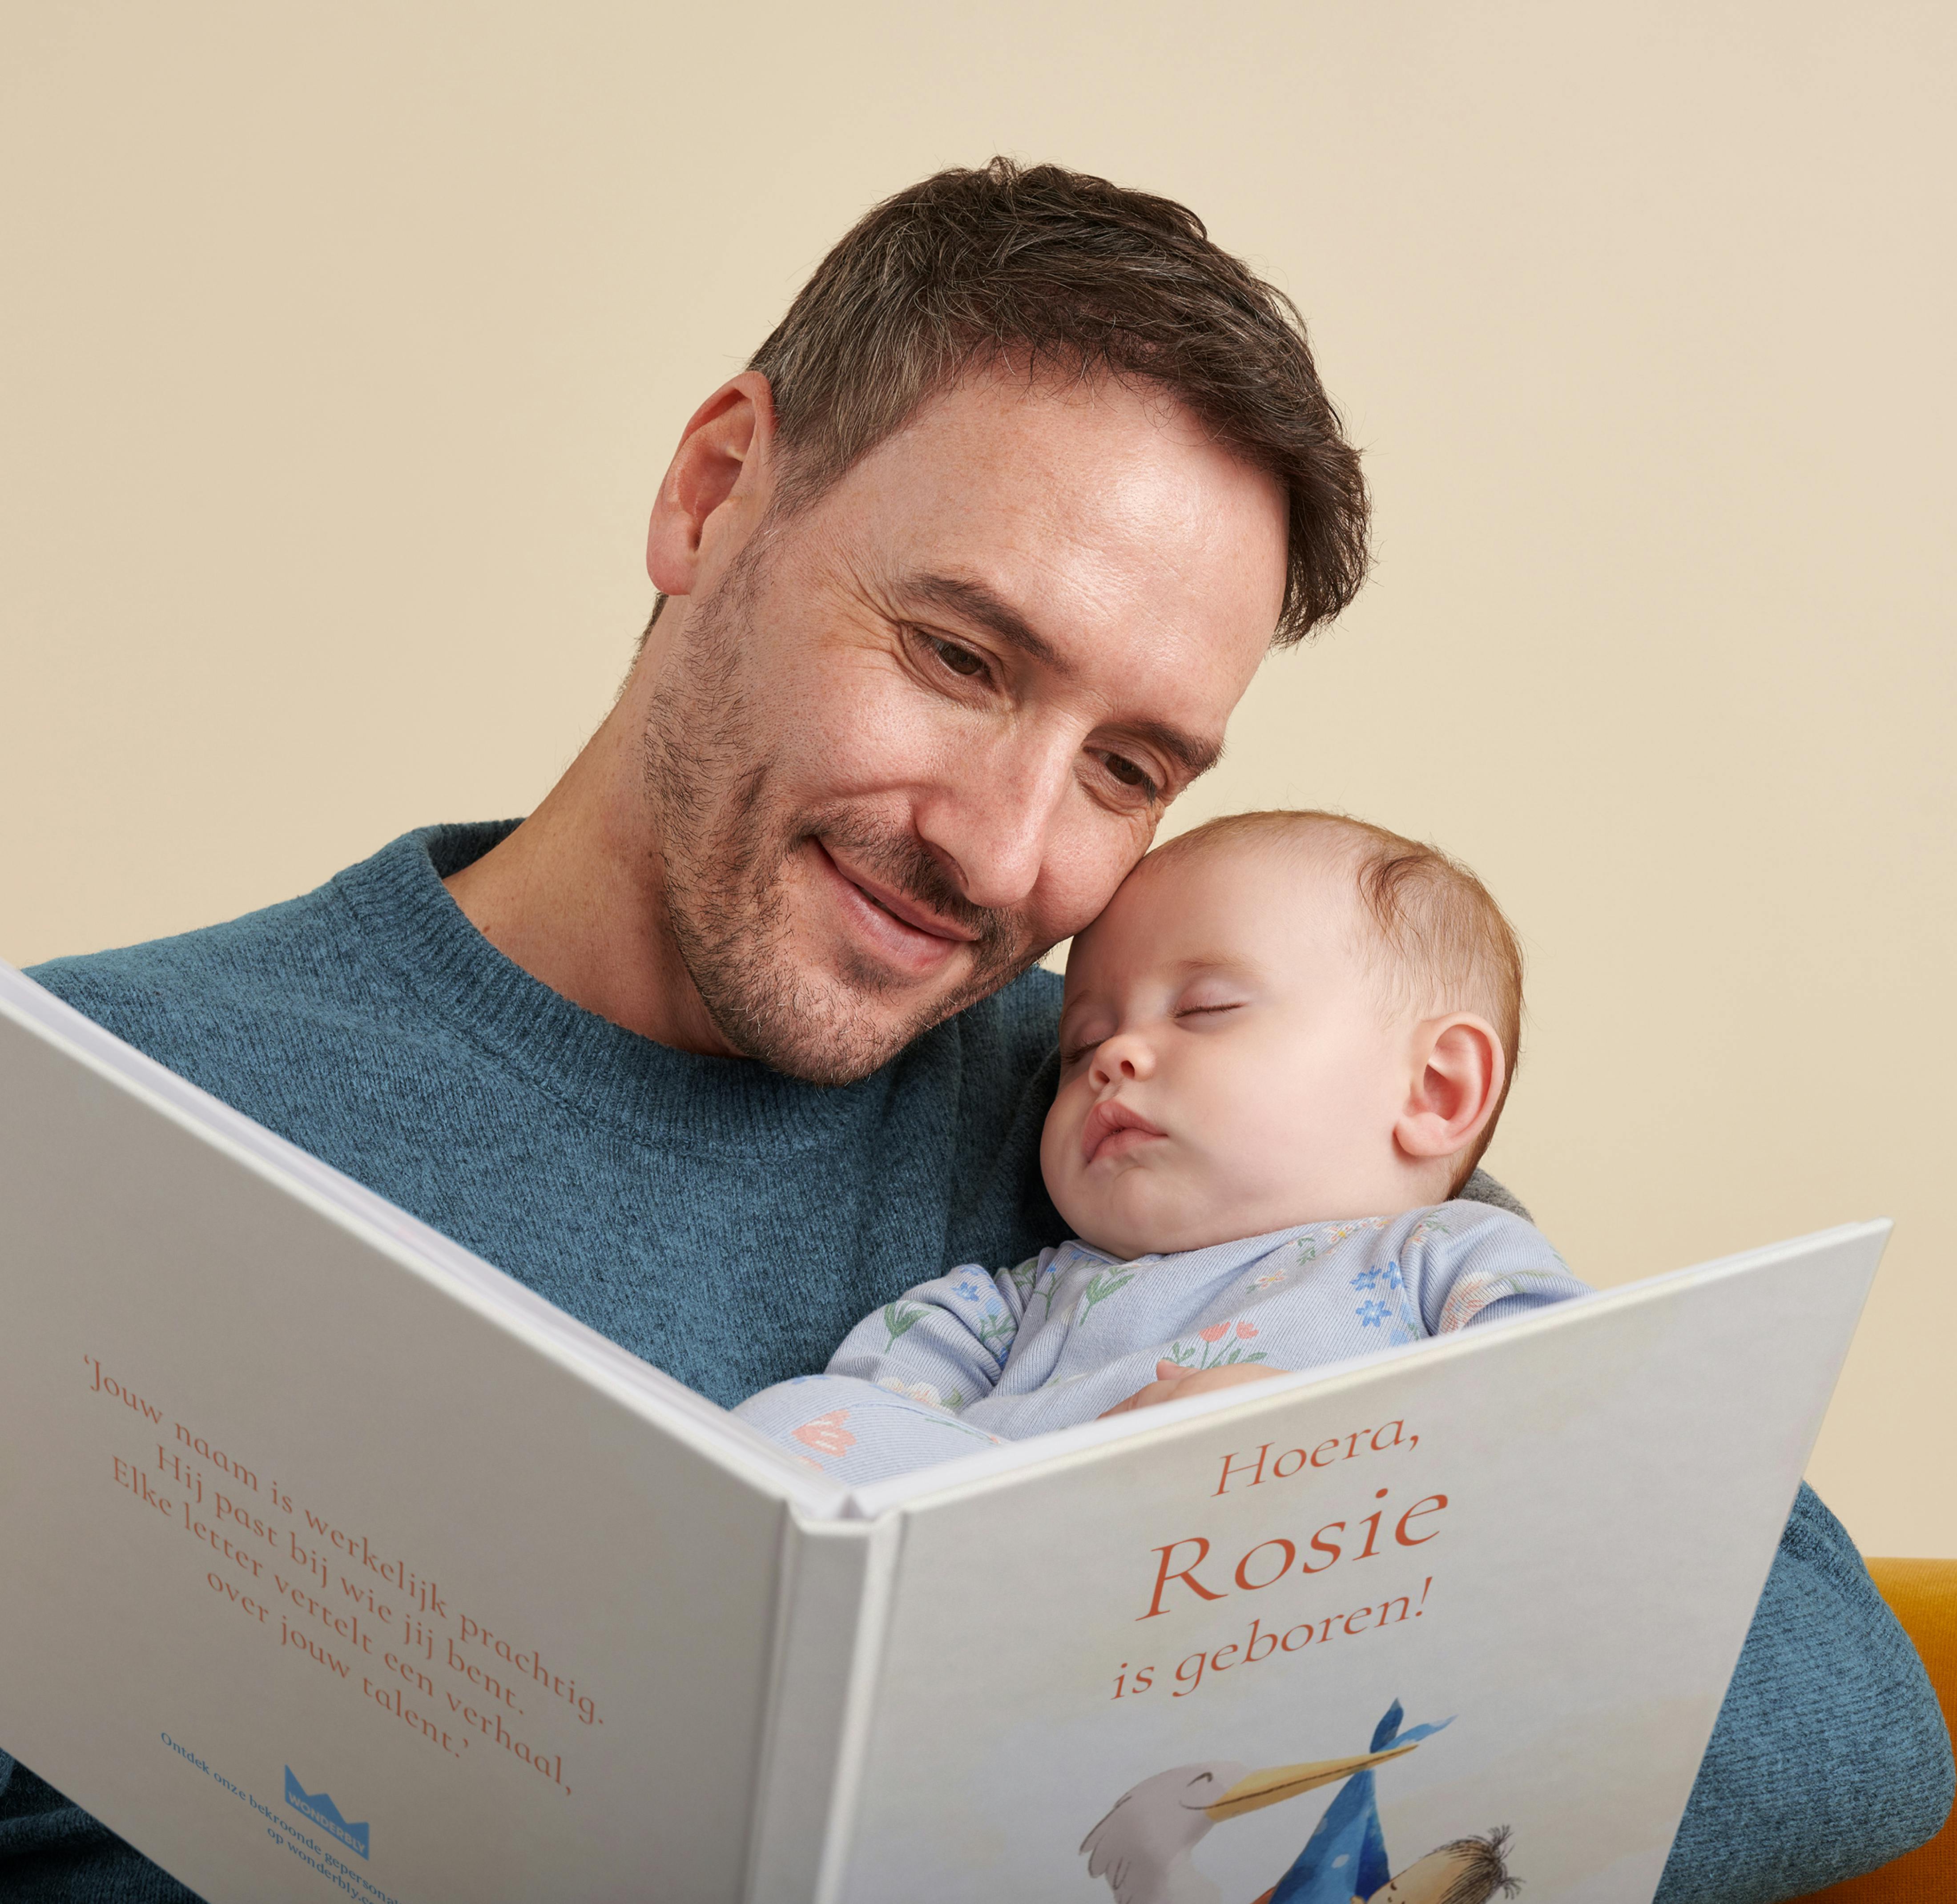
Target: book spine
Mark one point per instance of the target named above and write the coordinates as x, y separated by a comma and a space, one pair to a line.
836, 1577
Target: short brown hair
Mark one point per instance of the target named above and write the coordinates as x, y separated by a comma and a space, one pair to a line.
1444, 939
1074, 276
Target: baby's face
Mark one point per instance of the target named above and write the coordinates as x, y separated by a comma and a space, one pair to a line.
1228, 1067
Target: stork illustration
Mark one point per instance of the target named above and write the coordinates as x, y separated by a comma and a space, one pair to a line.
1143, 1846
1345, 1857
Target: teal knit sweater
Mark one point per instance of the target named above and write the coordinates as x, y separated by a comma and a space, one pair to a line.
369, 1023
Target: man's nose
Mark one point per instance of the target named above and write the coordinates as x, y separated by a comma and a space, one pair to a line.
993, 820
1127, 1055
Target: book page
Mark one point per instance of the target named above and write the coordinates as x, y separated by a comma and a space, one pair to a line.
1515, 1566
323, 1577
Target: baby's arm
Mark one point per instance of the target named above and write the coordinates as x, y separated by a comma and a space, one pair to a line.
944, 1342
889, 1402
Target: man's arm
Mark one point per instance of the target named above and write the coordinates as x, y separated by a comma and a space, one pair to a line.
1830, 1756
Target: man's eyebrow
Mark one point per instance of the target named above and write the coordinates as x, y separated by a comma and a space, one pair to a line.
1195, 756
976, 602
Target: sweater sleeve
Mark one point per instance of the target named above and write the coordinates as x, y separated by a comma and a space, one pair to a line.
52, 1851
1830, 1756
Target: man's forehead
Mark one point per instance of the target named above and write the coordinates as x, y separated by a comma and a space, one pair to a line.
1095, 502
1428, 1878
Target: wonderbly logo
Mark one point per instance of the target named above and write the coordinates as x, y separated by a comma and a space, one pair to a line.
325, 1813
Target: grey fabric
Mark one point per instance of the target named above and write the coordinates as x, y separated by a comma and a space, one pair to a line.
1482, 1188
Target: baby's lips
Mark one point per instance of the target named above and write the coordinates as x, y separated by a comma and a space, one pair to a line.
1107, 1119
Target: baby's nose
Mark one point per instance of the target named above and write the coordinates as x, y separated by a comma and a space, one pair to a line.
1122, 1057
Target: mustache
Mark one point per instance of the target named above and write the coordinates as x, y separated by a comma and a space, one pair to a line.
899, 859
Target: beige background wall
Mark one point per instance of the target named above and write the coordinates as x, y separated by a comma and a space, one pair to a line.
343, 348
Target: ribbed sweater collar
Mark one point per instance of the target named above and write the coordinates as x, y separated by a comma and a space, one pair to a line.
646, 1091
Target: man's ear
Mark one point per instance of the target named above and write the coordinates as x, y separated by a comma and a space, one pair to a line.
1458, 1067
718, 481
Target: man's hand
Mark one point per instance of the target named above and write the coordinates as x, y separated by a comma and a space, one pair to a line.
1175, 1384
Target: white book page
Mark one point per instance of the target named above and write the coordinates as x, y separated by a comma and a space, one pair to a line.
1550, 1535
333, 1556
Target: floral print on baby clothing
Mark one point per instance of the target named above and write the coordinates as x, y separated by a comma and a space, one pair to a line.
1221, 1345
971, 1357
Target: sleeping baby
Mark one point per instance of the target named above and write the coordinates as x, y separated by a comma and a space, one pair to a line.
1283, 1046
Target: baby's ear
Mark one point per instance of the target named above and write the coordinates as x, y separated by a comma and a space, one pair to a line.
1458, 1069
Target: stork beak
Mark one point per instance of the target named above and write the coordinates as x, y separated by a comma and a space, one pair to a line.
1278, 1782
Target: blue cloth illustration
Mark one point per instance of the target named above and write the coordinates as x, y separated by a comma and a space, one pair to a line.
971, 1359
1345, 1857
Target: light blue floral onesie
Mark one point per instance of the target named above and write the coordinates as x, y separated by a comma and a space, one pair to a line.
973, 1358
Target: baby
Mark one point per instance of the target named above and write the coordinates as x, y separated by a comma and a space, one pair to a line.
1283, 1046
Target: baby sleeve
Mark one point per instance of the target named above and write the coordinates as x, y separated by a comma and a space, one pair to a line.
944, 1342
1476, 1264
889, 1403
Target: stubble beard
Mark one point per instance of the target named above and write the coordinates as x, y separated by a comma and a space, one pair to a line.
725, 844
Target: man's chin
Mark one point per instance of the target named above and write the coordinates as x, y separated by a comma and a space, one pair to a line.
823, 1031
812, 1062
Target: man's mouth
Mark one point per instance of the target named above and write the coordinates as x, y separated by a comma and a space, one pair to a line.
899, 930
1112, 1129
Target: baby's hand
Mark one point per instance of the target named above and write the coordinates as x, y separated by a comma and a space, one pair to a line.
1175, 1384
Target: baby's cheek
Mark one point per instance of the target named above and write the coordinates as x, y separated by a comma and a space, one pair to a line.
1230, 1130
1062, 1121
1060, 1153
1248, 1150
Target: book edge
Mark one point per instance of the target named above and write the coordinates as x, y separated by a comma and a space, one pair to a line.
996, 1467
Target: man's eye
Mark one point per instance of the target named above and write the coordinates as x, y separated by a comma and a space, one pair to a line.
1129, 774
959, 660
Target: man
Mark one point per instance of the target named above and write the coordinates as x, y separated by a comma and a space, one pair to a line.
736, 1036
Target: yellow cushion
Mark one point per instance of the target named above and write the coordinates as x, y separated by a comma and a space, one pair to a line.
1922, 1594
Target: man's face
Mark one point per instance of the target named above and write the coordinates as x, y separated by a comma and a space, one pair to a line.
909, 736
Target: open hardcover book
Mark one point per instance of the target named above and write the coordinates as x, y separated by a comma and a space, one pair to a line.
334, 1562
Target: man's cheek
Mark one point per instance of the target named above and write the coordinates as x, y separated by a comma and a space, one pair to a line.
857, 728
1089, 851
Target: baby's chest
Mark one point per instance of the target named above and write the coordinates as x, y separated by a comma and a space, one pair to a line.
1289, 1314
